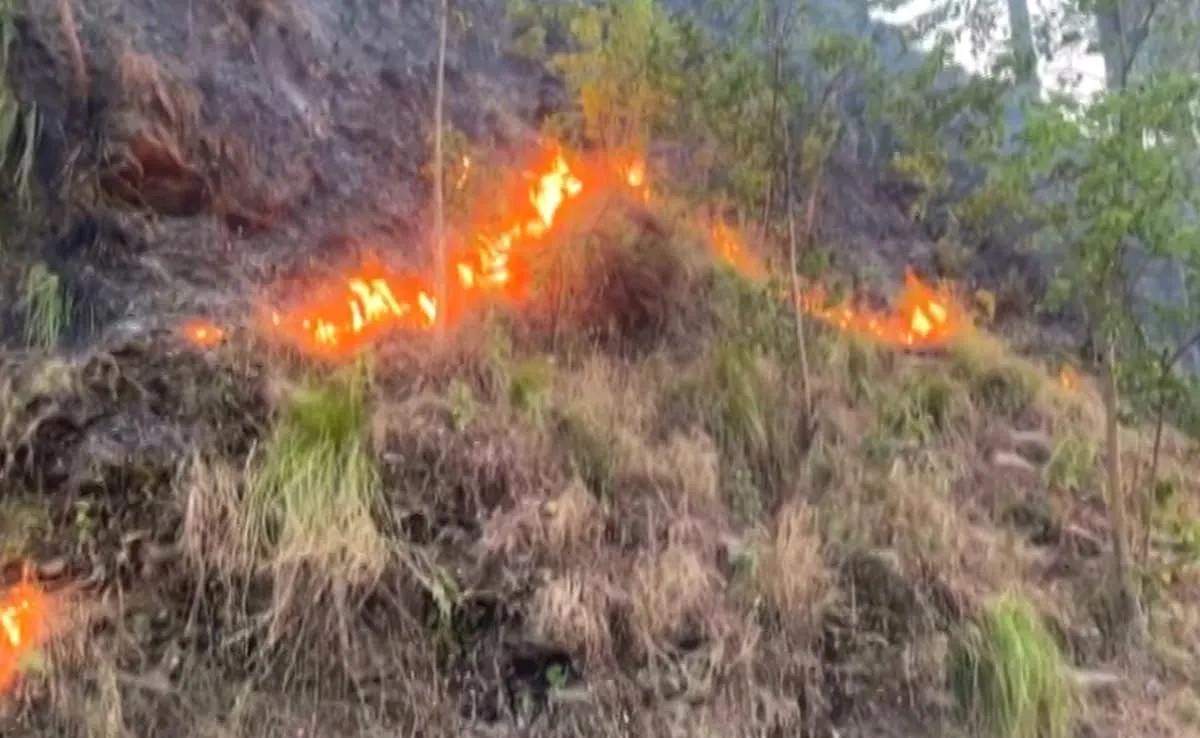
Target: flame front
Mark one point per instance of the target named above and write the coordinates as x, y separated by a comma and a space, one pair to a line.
363, 305
24, 627
924, 316
376, 300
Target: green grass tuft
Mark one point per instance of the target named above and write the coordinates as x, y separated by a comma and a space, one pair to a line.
313, 497
1009, 677
46, 307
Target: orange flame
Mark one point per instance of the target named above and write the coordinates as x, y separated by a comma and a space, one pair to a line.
24, 627
1068, 378
730, 248
924, 316
202, 333
375, 300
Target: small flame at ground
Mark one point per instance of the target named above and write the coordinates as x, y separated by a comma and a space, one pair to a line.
924, 316
202, 333
729, 247
1068, 378
24, 628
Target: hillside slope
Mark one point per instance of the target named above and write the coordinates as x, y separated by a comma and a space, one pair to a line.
616, 519
631, 492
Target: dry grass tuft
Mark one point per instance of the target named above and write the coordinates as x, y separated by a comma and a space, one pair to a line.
790, 570
458, 460
601, 418
675, 595
630, 286
146, 86
563, 527
211, 492
572, 612
683, 473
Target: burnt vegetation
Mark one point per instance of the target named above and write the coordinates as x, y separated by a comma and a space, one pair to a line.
653, 501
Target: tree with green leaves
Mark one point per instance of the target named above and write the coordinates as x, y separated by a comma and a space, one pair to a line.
1102, 189
1103, 184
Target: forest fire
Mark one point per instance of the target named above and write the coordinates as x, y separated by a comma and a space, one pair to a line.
24, 618
488, 264
924, 316
376, 300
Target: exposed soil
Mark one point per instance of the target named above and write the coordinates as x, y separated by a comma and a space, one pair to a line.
207, 152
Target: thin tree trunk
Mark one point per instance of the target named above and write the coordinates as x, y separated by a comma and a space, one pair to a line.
1128, 612
1023, 48
439, 195
793, 254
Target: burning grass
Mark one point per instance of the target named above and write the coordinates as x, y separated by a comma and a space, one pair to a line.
526, 251
610, 502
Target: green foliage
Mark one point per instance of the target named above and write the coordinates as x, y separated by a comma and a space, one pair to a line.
752, 313
728, 116
592, 450
622, 65
528, 384
1073, 463
637, 72
928, 108
1009, 677
922, 407
1117, 162
1112, 194
996, 378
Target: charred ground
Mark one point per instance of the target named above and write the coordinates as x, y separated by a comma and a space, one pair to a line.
618, 513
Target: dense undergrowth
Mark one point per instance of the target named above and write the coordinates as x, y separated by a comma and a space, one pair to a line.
535, 524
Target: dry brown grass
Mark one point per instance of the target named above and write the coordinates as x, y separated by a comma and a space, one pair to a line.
210, 491
566, 525
674, 592
147, 87
633, 284
792, 572
571, 612
577, 540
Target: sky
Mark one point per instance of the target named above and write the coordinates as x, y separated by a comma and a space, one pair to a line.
1086, 70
